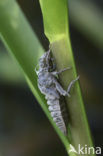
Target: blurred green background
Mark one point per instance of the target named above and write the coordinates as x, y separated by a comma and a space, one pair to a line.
24, 128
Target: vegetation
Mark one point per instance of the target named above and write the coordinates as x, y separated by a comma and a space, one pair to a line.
23, 44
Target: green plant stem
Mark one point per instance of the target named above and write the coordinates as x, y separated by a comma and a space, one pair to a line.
78, 125
55, 16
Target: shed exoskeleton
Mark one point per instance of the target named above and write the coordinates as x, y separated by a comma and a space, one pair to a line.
49, 86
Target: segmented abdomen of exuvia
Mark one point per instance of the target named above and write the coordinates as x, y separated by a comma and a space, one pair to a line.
53, 98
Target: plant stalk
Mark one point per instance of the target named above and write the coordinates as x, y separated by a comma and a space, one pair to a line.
55, 17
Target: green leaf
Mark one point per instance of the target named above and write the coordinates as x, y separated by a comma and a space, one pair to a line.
9, 71
23, 44
58, 15
55, 17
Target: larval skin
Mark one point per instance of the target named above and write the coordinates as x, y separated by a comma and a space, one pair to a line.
49, 86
